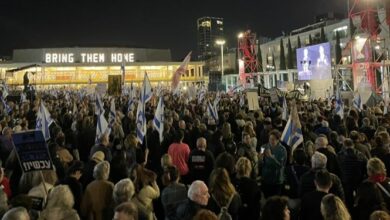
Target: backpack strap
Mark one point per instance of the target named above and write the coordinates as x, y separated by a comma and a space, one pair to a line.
227, 205
383, 189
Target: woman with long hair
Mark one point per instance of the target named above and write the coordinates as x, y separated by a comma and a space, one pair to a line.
332, 208
223, 193
146, 190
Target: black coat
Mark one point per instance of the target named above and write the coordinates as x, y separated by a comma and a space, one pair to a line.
311, 205
306, 184
250, 194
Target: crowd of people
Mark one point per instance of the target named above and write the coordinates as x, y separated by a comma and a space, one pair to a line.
235, 168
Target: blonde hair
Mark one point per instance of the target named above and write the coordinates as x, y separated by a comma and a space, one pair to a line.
375, 166
60, 196
243, 167
332, 208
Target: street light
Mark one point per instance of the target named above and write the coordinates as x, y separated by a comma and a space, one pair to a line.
221, 43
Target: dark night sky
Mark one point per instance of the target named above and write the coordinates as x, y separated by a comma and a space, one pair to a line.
146, 23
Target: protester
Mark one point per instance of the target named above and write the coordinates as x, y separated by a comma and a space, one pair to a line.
198, 197
332, 208
275, 208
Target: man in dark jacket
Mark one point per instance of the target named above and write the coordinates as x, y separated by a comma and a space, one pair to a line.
306, 184
198, 197
353, 169
311, 202
332, 164
200, 162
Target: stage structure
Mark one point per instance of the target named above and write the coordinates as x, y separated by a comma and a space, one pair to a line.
247, 56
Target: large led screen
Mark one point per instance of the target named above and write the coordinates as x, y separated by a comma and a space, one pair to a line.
314, 63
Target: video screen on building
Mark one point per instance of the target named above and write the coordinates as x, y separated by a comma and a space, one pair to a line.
314, 62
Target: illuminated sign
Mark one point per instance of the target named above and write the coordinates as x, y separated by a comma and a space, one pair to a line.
89, 57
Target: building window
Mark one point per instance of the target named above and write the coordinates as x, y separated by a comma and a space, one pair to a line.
219, 22
192, 72
205, 24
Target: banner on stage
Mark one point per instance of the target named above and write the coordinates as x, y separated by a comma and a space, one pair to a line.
114, 85
32, 151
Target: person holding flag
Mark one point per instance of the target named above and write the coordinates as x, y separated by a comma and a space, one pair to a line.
292, 133
179, 72
158, 121
145, 96
357, 101
43, 121
339, 106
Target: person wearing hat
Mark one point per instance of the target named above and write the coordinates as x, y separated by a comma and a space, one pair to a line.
103, 146
87, 176
72, 179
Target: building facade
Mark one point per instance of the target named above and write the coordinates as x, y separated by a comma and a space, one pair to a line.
209, 29
84, 66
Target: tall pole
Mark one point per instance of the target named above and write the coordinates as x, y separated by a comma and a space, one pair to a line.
222, 63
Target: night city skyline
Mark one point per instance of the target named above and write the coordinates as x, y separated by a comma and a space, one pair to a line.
162, 24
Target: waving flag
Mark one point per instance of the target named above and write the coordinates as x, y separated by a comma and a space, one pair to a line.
202, 94
285, 109
242, 100
23, 98
6, 106
212, 110
357, 101
101, 127
4, 89
217, 99
146, 95
158, 121
74, 108
292, 133
43, 121
180, 71
112, 114
339, 106
99, 108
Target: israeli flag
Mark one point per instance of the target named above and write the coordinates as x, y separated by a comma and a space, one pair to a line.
217, 99
23, 98
123, 73
4, 89
242, 100
141, 122
202, 94
285, 109
339, 107
146, 95
101, 127
43, 121
99, 108
158, 121
112, 114
357, 101
212, 110
7, 108
292, 133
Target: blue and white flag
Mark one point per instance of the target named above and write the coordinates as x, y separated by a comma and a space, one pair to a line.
212, 110
99, 108
292, 133
112, 114
202, 95
7, 108
145, 96
131, 102
4, 89
141, 122
339, 106
146, 90
242, 100
23, 98
285, 109
101, 127
158, 121
217, 99
357, 101
43, 121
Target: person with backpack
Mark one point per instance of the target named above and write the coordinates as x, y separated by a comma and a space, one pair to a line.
224, 199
